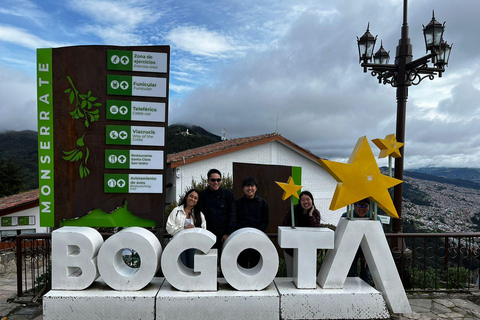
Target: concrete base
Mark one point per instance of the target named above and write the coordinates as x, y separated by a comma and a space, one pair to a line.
357, 300
99, 301
226, 303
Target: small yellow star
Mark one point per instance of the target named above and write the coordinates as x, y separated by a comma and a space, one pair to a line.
360, 178
388, 146
289, 188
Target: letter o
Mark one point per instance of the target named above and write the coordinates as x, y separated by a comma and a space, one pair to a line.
258, 277
113, 269
45, 190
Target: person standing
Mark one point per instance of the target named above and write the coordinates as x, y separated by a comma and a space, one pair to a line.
186, 216
305, 215
252, 212
218, 206
361, 209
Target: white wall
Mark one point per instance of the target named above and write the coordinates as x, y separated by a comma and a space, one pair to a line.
314, 178
28, 212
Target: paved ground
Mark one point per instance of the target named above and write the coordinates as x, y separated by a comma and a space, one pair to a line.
424, 306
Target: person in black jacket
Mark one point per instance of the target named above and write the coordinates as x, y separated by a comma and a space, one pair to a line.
218, 206
252, 212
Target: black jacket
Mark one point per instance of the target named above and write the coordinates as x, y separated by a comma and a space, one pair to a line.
252, 213
219, 210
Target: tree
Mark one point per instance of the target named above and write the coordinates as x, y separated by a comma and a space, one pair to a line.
10, 179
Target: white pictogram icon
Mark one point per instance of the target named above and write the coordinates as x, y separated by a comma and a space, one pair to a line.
113, 109
123, 135
123, 110
112, 183
114, 84
112, 158
121, 183
122, 159
115, 59
125, 60
124, 85
114, 134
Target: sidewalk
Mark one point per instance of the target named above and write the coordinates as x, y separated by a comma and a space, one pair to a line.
424, 306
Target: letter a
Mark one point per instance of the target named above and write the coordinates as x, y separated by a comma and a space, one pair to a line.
369, 235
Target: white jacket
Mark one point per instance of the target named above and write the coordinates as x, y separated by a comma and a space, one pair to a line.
176, 220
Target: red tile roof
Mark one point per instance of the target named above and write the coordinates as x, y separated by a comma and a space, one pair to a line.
216, 149
18, 202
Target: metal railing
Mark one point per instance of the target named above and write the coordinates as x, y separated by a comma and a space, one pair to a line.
437, 261
33, 263
426, 261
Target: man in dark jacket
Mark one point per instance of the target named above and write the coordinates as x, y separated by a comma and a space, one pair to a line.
218, 207
252, 212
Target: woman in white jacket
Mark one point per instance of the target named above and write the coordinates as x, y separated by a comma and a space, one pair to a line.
186, 216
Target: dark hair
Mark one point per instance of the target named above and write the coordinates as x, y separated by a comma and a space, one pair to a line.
196, 209
212, 171
249, 181
366, 201
298, 208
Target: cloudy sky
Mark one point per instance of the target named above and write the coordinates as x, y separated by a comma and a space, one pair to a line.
255, 67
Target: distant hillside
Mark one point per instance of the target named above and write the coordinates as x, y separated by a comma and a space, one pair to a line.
464, 183
471, 174
21, 148
178, 139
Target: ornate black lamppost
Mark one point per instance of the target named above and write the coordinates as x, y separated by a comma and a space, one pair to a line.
402, 74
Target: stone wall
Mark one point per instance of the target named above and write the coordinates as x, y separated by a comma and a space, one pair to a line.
8, 262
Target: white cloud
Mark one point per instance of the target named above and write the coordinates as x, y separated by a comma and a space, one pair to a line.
23, 9
18, 92
24, 38
200, 41
180, 88
120, 23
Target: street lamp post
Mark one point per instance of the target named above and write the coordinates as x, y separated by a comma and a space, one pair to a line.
401, 75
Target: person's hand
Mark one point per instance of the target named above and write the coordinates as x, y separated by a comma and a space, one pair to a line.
224, 237
189, 226
310, 213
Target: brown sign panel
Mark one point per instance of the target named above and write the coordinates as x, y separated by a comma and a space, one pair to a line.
110, 114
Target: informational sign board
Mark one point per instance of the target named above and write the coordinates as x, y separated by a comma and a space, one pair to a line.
102, 116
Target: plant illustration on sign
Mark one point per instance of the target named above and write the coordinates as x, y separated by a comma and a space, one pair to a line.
83, 104
78, 154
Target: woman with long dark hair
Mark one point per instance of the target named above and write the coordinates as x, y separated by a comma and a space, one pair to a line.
305, 215
186, 216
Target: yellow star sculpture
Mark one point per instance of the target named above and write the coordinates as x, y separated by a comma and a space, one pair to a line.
388, 146
289, 188
360, 178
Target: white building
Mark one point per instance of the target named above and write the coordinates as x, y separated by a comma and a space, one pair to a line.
268, 149
20, 214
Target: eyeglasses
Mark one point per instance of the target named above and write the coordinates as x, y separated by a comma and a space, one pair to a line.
215, 180
361, 205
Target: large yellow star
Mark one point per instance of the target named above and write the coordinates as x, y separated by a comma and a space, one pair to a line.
360, 178
389, 146
289, 188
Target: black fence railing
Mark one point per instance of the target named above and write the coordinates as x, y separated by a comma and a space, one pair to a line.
425, 261
33, 263
437, 261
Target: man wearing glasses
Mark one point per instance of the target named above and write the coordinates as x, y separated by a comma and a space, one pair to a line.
361, 209
218, 206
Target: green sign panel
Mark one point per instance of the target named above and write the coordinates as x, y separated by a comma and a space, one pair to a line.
135, 135
6, 221
45, 136
133, 183
135, 110
136, 86
137, 61
134, 159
